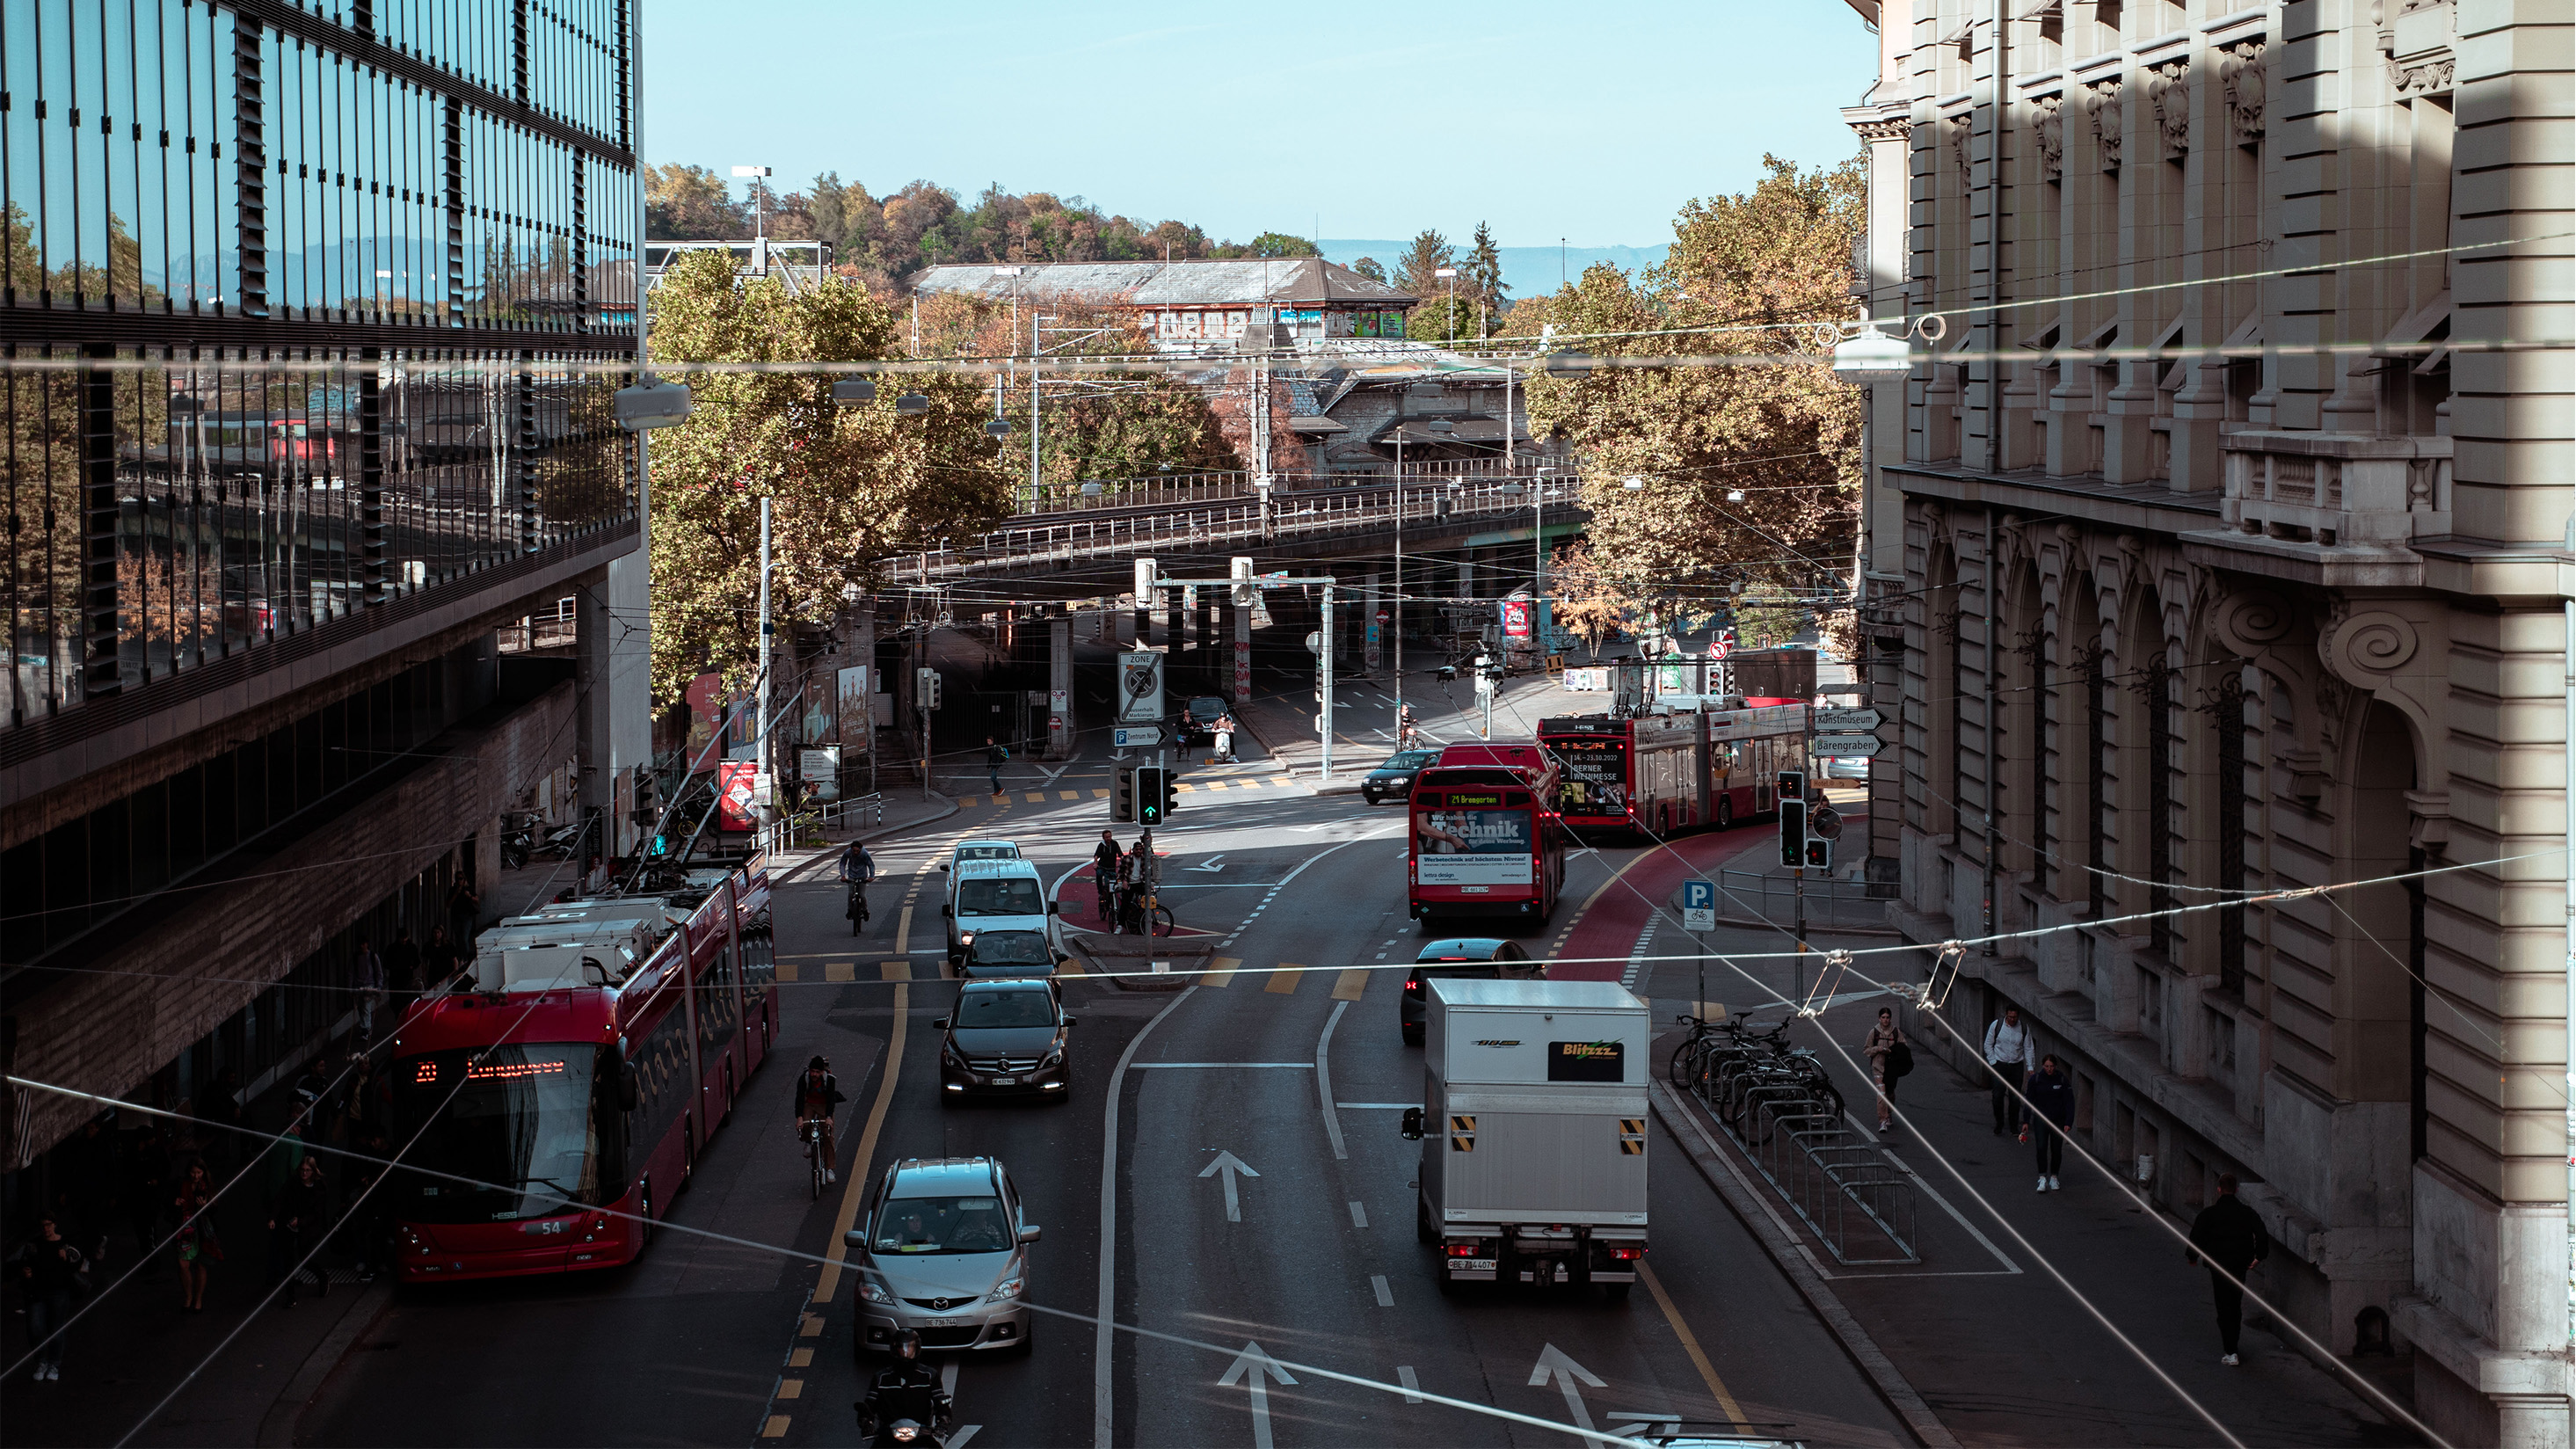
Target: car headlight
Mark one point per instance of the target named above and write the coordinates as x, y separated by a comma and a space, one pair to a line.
965, 938
870, 1292
1009, 1288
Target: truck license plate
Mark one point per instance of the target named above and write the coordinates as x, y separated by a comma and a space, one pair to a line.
1473, 1265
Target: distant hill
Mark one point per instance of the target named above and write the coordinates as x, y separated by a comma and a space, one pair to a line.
1528, 271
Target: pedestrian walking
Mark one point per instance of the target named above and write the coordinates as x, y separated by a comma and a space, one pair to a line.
367, 974
2008, 1064
995, 757
363, 1102
199, 1244
1182, 728
464, 910
1890, 1056
2052, 1111
52, 1275
147, 1186
298, 1216
2232, 1237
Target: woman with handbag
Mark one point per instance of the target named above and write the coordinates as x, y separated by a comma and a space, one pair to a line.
1890, 1057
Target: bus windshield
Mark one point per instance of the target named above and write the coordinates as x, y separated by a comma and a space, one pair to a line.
517, 1119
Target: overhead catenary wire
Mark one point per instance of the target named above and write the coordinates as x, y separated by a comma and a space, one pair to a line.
792, 1254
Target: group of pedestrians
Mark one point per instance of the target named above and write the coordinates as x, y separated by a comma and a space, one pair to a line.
1124, 881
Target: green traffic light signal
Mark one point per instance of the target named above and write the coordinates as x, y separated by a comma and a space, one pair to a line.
1153, 794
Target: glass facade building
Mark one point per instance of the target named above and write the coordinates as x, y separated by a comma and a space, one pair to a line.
304, 308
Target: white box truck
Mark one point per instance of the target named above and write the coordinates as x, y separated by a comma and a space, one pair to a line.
1533, 1132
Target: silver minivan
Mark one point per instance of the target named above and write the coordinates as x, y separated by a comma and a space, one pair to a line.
995, 895
943, 1250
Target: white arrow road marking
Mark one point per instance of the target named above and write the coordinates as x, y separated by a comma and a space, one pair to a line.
1249, 1366
1230, 1164
1214, 863
1568, 1373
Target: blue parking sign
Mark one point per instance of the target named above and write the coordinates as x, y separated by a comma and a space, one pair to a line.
1699, 895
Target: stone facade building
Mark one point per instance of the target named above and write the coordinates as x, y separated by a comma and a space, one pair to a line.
2219, 545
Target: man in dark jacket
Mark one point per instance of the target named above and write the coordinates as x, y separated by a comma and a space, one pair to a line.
817, 1093
2052, 1108
2232, 1237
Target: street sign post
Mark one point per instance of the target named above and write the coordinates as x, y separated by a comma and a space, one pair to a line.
1846, 746
1699, 905
1848, 721
1135, 739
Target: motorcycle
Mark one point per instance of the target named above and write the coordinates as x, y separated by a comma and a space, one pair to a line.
898, 1427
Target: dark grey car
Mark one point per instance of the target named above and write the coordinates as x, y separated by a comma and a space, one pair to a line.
1485, 957
1393, 780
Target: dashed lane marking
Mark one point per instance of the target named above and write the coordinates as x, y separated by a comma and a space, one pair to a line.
1223, 975
1385, 1295
1285, 979
895, 970
776, 1428
840, 970
1351, 984
800, 1358
791, 1388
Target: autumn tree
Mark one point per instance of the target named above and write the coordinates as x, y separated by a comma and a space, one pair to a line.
848, 485
1749, 461
691, 203
1590, 599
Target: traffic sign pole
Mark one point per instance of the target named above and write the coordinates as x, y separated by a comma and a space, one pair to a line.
1323, 655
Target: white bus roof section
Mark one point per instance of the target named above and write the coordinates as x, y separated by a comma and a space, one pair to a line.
1536, 995
546, 951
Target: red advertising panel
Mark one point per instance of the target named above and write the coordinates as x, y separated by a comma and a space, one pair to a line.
734, 780
1516, 618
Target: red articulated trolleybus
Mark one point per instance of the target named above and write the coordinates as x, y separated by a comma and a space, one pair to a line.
1485, 838
562, 1093
1675, 770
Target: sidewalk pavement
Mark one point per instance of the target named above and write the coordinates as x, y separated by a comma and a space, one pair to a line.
1997, 1348
132, 1345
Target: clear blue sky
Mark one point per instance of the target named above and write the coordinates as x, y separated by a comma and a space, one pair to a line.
1590, 122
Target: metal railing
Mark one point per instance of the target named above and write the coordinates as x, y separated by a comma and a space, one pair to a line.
1838, 1182
1774, 898
1367, 508
864, 812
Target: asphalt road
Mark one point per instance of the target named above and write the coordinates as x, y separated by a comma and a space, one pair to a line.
1298, 1075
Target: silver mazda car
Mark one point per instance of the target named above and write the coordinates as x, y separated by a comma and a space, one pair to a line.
943, 1250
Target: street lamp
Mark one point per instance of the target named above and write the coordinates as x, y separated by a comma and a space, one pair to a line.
1633, 483
854, 391
1448, 309
912, 404
1871, 356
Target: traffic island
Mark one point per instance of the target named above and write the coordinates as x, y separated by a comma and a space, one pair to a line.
1145, 963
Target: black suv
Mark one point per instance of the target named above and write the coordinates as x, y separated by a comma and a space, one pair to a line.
1482, 958
1006, 1035
1394, 779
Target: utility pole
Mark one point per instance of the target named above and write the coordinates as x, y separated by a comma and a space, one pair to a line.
760, 732
1035, 322
1396, 614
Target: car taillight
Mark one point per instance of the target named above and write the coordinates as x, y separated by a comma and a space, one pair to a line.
1413, 986
1625, 1254
1463, 1250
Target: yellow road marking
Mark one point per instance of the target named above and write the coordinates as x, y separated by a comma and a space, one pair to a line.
1223, 975
1352, 983
1099, 794
776, 1428
1690, 1345
787, 971
791, 1388
1071, 968
841, 971
1285, 979
1068, 794
903, 932
812, 1326
800, 1358
1037, 797
830, 1281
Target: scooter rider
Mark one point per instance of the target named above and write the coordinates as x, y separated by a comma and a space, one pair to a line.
905, 1389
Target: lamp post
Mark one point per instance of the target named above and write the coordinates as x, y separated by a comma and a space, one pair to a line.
759, 178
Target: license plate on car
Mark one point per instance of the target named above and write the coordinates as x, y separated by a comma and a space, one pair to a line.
1006, 1081
1473, 1265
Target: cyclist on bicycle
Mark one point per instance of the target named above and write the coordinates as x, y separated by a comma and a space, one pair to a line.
816, 1093
1404, 727
1106, 862
1143, 874
857, 869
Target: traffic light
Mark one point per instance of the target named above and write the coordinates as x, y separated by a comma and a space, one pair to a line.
1153, 793
1243, 590
1793, 818
926, 688
1171, 783
1820, 853
1122, 797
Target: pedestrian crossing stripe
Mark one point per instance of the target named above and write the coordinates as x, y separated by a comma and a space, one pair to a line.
1223, 975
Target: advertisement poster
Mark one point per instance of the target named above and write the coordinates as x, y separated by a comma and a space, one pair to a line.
1595, 781
1516, 619
853, 706
1472, 847
1677, 674
820, 768
706, 710
734, 784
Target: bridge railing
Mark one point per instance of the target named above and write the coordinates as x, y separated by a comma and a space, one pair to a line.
1063, 542
1159, 491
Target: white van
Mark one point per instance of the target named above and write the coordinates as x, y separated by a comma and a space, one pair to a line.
996, 895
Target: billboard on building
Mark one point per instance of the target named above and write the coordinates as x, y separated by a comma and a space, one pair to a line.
853, 707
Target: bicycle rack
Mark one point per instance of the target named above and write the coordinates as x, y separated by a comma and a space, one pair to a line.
1838, 1182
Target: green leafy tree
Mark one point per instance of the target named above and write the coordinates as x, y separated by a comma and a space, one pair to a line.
1442, 319
1281, 244
1369, 267
847, 486
1752, 270
691, 203
1416, 272
1483, 273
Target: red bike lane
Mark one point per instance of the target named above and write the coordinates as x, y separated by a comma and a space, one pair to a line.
1594, 943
